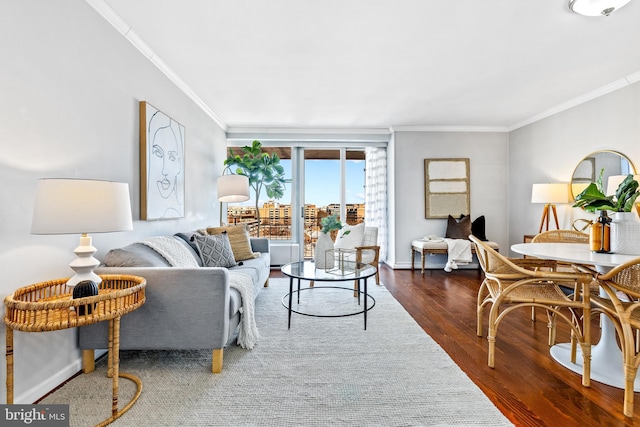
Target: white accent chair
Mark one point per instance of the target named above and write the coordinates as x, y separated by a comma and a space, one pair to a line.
369, 251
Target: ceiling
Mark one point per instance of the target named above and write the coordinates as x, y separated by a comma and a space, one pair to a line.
345, 64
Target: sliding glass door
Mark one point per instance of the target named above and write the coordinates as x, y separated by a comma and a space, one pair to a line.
333, 185
324, 181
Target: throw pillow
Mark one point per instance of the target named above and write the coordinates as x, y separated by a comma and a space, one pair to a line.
478, 228
239, 239
349, 236
215, 251
458, 229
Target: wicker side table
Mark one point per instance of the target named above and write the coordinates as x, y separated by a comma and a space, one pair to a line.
49, 306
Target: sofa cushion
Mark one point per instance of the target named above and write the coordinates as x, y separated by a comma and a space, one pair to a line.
239, 239
215, 250
134, 255
254, 268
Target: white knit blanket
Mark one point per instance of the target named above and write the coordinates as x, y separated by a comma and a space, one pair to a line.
459, 251
248, 333
176, 254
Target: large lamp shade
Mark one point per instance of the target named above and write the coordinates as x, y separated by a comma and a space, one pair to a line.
233, 188
81, 206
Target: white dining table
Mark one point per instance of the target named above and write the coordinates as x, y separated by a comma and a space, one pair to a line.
606, 356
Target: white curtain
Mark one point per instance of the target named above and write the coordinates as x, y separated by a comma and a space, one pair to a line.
376, 194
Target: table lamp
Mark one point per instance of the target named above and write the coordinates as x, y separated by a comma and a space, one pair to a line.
81, 206
232, 188
549, 194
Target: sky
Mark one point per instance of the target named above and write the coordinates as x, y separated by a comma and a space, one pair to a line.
322, 183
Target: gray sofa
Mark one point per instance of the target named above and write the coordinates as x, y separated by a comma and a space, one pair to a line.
185, 308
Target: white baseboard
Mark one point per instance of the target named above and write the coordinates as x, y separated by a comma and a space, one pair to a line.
51, 383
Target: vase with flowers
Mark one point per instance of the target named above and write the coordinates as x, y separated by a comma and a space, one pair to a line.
625, 226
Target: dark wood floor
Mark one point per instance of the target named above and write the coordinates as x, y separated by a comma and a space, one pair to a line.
527, 385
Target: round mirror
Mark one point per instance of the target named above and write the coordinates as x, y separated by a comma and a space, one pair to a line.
588, 170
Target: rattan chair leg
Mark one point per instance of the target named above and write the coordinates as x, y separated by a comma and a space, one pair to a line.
492, 351
630, 376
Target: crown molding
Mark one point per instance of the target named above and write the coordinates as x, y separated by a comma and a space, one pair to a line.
449, 129
110, 15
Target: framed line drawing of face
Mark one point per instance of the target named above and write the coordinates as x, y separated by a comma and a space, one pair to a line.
162, 142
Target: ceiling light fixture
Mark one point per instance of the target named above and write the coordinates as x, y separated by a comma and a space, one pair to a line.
596, 7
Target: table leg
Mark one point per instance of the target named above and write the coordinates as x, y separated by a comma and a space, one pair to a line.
290, 300
298, 291
365, 303
116, 364
9, 354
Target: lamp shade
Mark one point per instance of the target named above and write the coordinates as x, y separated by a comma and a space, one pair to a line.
76, 206
233, 188
596, 7
550, 193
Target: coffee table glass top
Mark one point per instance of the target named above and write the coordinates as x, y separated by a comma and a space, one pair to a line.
307, 270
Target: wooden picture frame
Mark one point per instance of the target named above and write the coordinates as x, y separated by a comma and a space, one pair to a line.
162, 142
446, 187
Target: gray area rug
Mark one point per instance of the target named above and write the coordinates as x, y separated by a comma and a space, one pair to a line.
323, 371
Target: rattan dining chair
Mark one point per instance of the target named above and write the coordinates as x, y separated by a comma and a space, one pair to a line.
622, 306
507, 286
560, 236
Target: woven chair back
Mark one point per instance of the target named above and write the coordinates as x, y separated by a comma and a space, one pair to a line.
625, 278
561, 236
491, 262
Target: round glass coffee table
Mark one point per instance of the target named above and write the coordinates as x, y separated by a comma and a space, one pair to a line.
306, 270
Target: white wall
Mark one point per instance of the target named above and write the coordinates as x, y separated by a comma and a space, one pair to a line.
488, 154
549, 151
70, 87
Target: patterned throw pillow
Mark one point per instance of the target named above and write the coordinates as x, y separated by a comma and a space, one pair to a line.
215, 251
239, 239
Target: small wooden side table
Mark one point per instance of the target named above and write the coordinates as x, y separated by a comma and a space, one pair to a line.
49, 306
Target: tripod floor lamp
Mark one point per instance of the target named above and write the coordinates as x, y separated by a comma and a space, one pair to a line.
549, 194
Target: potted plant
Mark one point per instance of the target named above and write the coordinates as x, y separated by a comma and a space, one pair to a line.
593, 198
263, 170
625, 228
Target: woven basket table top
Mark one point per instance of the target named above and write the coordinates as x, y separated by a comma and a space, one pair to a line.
49, 306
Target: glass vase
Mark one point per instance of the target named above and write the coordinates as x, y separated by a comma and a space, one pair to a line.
323, 244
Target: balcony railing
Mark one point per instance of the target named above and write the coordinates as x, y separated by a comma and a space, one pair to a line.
283, 232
